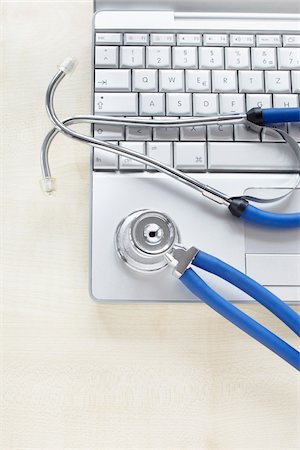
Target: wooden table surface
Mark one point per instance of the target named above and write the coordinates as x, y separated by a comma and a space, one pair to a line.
78, 375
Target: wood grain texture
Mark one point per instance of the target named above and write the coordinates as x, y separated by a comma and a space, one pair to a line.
77, 375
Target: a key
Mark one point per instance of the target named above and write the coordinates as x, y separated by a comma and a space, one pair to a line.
152, 104
251, 81
258, 100
243, 132
205, 104
193, 133
144, 80
136, 39
268, 134
268, 40
106, 57
158, 57
294, 130
224, 81
263, 58
288, 58
128, 163
220, 132
133, 57
165, 133
232, 103
277, 81
104, 160
237, 58
138, 133
296, 81
242, 40
112, 80
197, 80
216, 39
162, 39
179, 104
249, 156
171, 80
285, 100
116, 104
211, 58
185, 57
161, 151
189, 39
108, 132
108, 39
190, 156
291, 40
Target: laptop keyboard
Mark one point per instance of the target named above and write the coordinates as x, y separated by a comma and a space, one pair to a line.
163, 75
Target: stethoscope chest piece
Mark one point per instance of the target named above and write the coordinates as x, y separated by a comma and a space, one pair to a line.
143, 238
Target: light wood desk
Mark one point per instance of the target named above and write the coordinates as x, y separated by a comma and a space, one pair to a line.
77, 375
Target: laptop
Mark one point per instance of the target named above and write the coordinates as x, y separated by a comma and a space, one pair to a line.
177, 58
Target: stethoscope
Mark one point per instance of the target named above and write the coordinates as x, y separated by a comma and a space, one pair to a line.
148, 241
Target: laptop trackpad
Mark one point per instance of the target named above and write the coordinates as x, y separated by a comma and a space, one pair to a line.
272, 255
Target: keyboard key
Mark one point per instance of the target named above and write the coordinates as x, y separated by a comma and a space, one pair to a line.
285, 101
242, 40
133, 57
294, 130
152, 104
243, 132
113, 80
104, 160
288, 58
162, 39
108, 132
211, 58
158, 57
224, 81
237, 58
136, 39
260, 100
205, 104
295, 81
189, 39
165, 133
277, 81
138, 133
179, 104
251, 81
128, 163
268, 134
108, 39
249, 156
216, 39
171, 80
144, 80
190, 156
220, 132
161, 151
193, 133
232, 103
197, 80
263, 58
116, 104
268, 40
185, 57
291, 40
106, 57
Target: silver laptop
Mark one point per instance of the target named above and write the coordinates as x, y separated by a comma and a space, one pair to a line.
187, 58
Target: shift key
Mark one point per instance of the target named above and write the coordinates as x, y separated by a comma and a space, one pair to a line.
116, 104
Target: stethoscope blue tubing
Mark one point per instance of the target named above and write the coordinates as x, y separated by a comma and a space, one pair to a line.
230, 312
269, 219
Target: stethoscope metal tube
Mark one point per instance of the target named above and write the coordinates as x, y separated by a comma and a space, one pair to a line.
238, 206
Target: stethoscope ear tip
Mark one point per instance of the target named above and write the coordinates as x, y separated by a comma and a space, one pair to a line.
48, 186
68, 65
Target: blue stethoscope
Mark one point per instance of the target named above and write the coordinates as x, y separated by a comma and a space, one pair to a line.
149, 241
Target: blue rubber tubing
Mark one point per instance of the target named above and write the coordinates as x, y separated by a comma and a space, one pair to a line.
280, 115
246, 284
270, 219
230, 312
